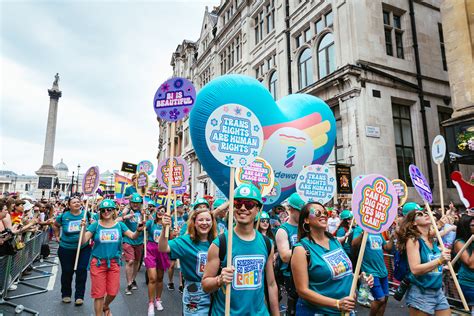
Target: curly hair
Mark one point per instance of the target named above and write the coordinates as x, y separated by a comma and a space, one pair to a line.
407, 230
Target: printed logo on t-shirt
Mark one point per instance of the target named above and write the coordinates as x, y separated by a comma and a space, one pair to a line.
156, 235
375, 242
435, 256
248, 272
74, 226
221, 228
136, 217
201, 262
293, 239
338, 263
109, 235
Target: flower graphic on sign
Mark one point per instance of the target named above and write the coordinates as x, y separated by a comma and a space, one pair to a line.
243, 161
256, 128
165, 87
163, 113
178, 83
186, 111
229, 160
174, 114
237, 110
214, 122
255, 153
249, 114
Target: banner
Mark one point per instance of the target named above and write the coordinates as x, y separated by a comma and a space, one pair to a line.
344, 181
129, 167
121, 183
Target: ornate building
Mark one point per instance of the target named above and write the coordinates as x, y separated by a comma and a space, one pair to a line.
380, 65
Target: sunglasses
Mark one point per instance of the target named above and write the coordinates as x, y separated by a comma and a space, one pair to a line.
265, 220
104, 210
421, 214
161, 210
246, 203
318, 213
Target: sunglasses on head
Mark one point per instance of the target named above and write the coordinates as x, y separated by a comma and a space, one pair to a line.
248, 204
318, 213
107, 210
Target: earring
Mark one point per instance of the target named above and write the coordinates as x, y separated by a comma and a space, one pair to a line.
304, 227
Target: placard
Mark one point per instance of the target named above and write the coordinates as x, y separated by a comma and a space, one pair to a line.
234, 135
90, 181
438, 149
259, 173
344, 181
402, 191
45, 183
141, 183
174, 99
420, 183
316, 183
274, 194
146, 166
374, 203
129, 167
180, 174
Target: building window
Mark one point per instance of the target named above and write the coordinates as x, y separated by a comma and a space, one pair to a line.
299, 40
441, 43
323, 22
329, 19
259, 21
305, 69
307, 35
272, 85
326, 58
393, 31
270, 8
231, 54
403, 140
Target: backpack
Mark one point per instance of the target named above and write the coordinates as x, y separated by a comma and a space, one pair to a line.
223, 252
400, 265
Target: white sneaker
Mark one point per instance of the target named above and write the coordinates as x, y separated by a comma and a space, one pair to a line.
159, 305
13, 287
151, 309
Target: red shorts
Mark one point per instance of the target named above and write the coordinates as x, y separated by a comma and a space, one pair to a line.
132, 253
104, 280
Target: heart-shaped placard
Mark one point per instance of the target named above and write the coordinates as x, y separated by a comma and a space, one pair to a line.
299, 129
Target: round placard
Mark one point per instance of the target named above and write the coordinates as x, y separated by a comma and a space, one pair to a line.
146, 166
259, 173
420, 183
90, 181
180, 174
141, 183
402, 191
374, 203
316, 183
438, 149
274, 194
174, 99
234, 135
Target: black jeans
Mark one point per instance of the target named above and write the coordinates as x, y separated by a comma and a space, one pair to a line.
67, 258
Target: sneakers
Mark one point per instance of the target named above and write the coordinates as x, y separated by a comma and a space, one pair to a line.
13, 287
180, 289
134, 285
151, 309
158, 305
66, 300
79, 302
128, 290
171, 286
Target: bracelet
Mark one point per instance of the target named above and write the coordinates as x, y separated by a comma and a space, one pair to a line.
440, 262
337, 305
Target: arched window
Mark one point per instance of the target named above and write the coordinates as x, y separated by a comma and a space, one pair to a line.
272, 84
305, 69
326, 56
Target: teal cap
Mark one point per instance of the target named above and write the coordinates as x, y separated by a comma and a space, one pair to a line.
107, 203
295, 201
200, 201
218, 203
346, 214
410, 206
263, 215
136, 198
248, 191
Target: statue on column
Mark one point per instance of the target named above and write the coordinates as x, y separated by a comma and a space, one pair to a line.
56, 81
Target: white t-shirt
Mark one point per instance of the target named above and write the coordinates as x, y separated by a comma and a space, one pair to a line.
333, 223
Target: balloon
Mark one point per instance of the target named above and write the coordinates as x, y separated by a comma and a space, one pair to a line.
299, 129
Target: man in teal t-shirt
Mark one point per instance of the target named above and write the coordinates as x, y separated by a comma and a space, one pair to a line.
373, 263
132, 248
251, 263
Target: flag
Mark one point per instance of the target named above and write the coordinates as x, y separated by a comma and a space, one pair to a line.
121, 183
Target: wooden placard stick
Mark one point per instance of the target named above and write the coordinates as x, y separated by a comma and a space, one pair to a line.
170, 176
466, 245
358, 266
230, 234
79, 243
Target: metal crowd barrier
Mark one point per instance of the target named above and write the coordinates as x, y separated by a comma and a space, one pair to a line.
12, 267
448, 285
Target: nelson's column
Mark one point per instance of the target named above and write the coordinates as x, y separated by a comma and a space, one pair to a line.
47, 172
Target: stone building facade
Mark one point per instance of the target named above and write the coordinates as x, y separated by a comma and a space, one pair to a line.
380, 65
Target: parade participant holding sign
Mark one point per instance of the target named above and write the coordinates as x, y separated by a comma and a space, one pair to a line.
69, 223
156, 262
321, 269
344, 229
425, 260
105, 264
464, 233
251, 263
286, 238
132, 248
191, 250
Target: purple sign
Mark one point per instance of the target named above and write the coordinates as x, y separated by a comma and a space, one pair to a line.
374, 203
180, 174
420, 183
90, 181
174, 99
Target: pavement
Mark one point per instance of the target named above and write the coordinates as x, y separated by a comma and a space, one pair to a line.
50, 304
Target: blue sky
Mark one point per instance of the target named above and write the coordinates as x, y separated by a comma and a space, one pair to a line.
111, 57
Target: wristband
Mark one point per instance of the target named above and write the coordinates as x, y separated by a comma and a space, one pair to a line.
337, 305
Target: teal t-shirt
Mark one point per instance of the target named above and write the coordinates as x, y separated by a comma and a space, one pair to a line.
329, 273
153, 231
373, 262
292, 232
179, 223
341, 232
247, 291
70, 229
465, 274
433, 279
130, 190
183, 231
107, 241
95, 217
191, 255
132, 224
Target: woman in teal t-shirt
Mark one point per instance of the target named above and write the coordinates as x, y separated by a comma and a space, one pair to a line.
107, 234
425, 260
464, 231
191, 249
69, 223
321, 269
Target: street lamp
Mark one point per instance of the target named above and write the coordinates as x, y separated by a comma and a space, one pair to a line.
72, 183
77, 178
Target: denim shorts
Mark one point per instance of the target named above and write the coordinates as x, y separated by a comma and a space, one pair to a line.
380, 288
468, 294
426, 300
